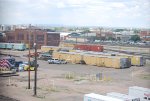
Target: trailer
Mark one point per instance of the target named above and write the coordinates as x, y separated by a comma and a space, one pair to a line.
19, 46
97, 97
3, 46
123, 97
15, 46
142, 93
9, 45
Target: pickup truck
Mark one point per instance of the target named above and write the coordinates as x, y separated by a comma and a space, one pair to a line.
54, 61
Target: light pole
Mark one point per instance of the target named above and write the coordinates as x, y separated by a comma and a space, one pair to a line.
35, 65
29, 57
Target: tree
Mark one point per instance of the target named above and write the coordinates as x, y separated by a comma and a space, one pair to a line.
111, 38
135, 38
119, 30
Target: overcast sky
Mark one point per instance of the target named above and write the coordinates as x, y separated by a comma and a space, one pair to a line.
112, 13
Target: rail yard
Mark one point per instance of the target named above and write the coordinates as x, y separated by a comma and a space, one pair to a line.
69, 82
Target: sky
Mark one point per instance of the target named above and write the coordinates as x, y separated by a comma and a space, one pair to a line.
111, 13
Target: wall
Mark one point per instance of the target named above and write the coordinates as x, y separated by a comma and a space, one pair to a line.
41, 37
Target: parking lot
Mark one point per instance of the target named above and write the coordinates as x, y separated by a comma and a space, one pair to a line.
69, 82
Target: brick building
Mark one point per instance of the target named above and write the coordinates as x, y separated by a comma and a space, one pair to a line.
41, 37
145, 35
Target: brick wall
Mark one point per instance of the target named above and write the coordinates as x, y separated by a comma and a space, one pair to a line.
41, 37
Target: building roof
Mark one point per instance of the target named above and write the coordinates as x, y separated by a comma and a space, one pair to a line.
53, 33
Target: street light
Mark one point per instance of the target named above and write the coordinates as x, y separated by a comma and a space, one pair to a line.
35, 65
29, 57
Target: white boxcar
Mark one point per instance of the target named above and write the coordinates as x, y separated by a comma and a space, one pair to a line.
97, 97
142, 93
123, 97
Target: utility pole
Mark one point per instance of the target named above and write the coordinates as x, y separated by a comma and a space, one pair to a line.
29, 58
35, 75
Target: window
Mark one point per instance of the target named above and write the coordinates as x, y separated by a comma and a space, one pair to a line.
20, 36
145, 97
40, 37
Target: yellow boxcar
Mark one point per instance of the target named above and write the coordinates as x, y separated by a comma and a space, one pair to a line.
49, 48
108, 62
90, 59
76, 58
135, 59
100, 61
68, 45
56, 54
117, 62
86, 59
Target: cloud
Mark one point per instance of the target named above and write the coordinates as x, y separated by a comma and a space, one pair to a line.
77, 12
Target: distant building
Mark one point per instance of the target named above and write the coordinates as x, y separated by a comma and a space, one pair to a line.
2, 28
63, 36
124, 35
88, 35
145, 35
2, 37
41, 37
77, 39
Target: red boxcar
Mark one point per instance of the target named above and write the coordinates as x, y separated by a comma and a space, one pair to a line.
96, 48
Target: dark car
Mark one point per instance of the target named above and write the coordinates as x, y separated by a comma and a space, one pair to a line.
17, 63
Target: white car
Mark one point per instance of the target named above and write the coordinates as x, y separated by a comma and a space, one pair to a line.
54, 61
63, 62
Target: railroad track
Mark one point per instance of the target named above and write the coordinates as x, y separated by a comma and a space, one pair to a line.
145, 55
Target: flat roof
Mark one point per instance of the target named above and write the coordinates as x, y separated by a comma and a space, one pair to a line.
140, 88
101, 97
53, 32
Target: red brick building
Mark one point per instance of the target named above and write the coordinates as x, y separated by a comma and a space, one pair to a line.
41, 37
145, 35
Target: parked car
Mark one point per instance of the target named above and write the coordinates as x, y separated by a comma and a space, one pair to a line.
54, 61
63, 62
25, 66
45, 57
17, 64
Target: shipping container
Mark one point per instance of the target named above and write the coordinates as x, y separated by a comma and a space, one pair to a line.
117, 62
100, 61
142, 93
68, 56
135, 59
49, 48
90, 59
97, 97
19, 46
75, 58
9, 45
96, 48
123, 97
67, 45
3, 45
96, 60
138, 61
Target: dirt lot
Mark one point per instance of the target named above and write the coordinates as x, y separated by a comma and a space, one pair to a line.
69, 82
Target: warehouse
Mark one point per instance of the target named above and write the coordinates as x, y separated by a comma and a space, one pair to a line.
41, 37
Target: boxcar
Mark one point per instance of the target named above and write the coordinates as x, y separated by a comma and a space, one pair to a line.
19, 46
